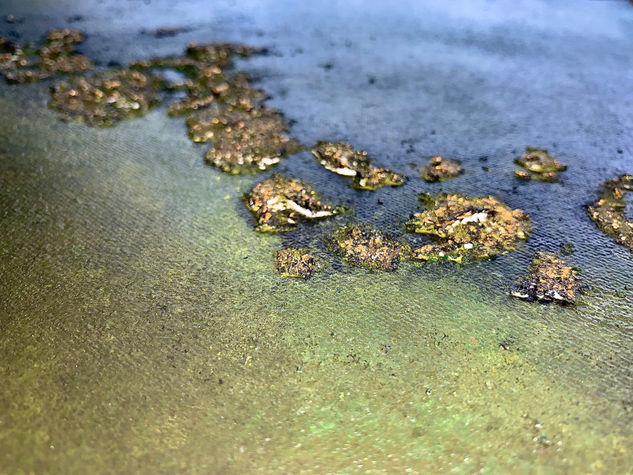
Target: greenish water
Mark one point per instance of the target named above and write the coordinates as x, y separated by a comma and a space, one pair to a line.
144, 328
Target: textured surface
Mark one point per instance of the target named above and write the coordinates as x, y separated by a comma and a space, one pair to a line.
143, 326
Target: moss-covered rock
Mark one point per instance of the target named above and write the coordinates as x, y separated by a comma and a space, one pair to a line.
440, 169
279, 203
367, 247
107, 97
549, 280
608, 211
467, 228
298, 263
342, 159
538, 165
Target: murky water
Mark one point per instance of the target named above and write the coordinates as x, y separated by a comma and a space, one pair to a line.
143, 326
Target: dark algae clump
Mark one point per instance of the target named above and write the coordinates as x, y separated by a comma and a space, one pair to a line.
342, 159
367, 247
107, 97
467, 228
440, 169
539, 165
297, 263
279, 203
56, 55
549, 280
609, 211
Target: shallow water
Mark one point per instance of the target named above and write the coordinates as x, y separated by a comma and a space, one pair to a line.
143, 326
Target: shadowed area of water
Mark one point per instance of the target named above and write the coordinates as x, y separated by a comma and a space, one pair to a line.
143, 326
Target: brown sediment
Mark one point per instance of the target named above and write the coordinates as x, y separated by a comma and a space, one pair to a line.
608, 211
538, 165
57, 55
279, 203
467, 228
440, 168
342, 159
107, 97
368, 247
298, 263
549, 280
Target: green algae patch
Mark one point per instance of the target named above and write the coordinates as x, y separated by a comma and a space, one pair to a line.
368, 247
279, 203
342, 159
57, 55
549, 279
538, 165
440, 169
608, 211
107, 97
467, 228
297, 263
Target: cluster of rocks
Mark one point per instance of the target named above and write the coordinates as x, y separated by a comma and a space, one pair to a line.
56, 55
221, 107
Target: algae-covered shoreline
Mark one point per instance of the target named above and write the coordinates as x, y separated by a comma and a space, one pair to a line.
145, 328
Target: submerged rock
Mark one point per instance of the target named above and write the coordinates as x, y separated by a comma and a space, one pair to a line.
368, 247
464, 227
298, 263
549, 280
440, 168
57, 55
538, 165
279, 202
342, 159
609, 211
108, 97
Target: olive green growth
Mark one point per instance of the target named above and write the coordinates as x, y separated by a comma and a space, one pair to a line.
297, 263
608, 211
467, 228
550, 279
56, 55
368, 247
440, 169
342, 159
279, 203
539, 165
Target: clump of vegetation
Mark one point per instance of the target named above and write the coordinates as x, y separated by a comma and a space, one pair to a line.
440, 168
549, 280
538, 165
467, 228
342, 159
297, 263
56, 55
107, 97
368, 247
608, 211
279, 203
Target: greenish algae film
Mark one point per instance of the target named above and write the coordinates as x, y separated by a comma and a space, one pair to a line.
129, 341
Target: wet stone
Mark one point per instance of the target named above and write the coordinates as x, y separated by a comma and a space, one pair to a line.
467, 228
370, 248
56, 56
252, 144
342, 159
538, 165
279, 203
549, 280
298, 263
440, 168
609, 211
108, 97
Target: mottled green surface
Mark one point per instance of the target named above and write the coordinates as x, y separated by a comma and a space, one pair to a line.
144, 327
